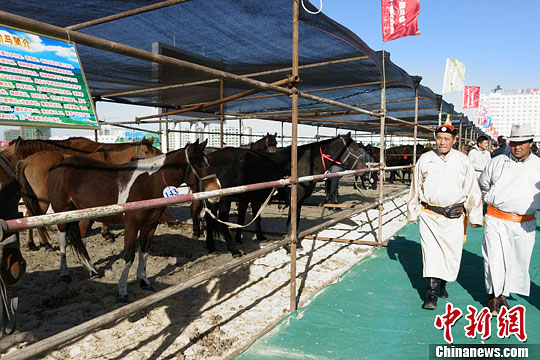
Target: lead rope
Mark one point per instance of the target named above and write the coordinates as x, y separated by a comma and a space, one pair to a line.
205, 210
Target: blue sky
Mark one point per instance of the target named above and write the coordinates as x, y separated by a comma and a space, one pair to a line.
499, 42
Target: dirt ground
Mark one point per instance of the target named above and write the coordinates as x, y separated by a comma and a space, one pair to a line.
210, 321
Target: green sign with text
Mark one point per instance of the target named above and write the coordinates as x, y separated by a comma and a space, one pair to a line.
42, 83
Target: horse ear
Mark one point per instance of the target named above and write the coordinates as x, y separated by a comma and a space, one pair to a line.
203, 144
267, 133
196, 142
348, 134
275, 134
151, 140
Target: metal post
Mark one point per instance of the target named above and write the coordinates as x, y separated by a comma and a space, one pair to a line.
160, 136
416, 80
460, 132
96, 135
221, 109
240, 130
382, 146
167, 147
294, 157
282, 134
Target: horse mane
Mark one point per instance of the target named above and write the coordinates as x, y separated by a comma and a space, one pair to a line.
6, 164
25, 148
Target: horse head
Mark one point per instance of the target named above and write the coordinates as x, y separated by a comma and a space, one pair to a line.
271, 143
351, 155
199, 174
146, 149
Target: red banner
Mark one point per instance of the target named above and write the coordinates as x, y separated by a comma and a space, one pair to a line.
471, 97
399, 18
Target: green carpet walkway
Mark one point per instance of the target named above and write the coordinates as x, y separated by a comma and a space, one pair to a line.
374, 311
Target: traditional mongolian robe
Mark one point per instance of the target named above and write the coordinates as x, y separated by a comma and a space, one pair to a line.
512, 187
443, 180
479, 159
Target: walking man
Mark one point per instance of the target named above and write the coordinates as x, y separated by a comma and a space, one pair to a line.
444, 186
479, 155
511, 184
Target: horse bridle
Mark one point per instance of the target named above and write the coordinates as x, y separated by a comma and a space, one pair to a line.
201, 179
349, 153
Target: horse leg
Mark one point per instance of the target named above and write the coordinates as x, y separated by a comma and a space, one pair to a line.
106, 233
130, 245
255, 207
30, 236
224, 209
334, 186
242, 208
195, 218
145, 238
64, 271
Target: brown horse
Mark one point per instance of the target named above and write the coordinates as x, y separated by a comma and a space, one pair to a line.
32, 173
80, 182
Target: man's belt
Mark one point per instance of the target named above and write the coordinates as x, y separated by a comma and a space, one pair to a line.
503, 215
452, 212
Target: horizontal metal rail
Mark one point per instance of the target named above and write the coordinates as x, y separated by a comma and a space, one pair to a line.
102, 211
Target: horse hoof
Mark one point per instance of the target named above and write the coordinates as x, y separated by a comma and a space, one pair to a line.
122, 299
195, 236
236, 254
47, 247
261, 237
146, 286
32, 247
93, 274
65, 278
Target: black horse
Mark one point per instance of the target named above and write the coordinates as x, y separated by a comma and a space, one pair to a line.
332, 184
402, 156
235, 167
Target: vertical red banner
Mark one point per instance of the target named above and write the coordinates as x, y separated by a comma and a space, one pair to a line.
399, 18
471, 97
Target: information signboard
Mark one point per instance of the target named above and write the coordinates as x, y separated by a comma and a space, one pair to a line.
42, 83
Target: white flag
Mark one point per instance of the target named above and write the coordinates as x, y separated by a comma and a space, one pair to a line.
454, 76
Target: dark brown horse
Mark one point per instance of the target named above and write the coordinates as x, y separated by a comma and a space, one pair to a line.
33, 171
80, 182
267, 143
236, 167
12, 263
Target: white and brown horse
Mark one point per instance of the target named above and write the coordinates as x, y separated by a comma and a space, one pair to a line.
33, 171
80, 182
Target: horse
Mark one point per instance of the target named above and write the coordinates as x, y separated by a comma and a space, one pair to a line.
32, 173
80, 182
235, 166
267, 143
401, 156
332, 184
12, 263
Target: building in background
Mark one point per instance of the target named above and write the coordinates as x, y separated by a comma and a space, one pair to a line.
28, 133
514, 106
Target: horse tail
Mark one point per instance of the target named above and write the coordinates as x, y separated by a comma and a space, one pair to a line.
75, 241
30, 199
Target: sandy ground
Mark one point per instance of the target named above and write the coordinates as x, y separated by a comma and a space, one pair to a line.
213, 320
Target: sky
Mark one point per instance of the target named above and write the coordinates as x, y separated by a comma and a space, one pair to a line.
498, 41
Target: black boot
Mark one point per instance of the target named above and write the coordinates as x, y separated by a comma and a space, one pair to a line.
493, 304
443, 294
433, 288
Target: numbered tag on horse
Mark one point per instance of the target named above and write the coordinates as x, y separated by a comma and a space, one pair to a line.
170, 191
